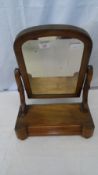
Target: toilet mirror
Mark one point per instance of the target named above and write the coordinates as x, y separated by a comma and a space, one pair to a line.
53, 60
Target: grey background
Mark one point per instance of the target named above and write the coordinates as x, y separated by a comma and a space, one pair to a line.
17, 15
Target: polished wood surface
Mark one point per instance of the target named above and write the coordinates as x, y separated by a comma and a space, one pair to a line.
54, 119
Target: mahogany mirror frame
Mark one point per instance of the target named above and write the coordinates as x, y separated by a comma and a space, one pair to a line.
63, 31
54, 119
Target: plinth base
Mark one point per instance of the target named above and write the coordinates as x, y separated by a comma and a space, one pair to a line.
54, 119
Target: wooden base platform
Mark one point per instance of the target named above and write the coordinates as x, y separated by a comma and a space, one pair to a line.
54, 119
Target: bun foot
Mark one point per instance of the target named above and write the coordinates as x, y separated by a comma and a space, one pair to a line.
87, 131
21, 133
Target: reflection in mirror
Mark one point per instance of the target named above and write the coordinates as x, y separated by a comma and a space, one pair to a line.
53, 64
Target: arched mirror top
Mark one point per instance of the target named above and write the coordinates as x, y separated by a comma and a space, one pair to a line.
53, 59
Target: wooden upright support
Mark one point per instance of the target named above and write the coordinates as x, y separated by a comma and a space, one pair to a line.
86, 88
20, 90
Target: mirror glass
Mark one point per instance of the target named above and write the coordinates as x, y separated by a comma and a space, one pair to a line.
53, 64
